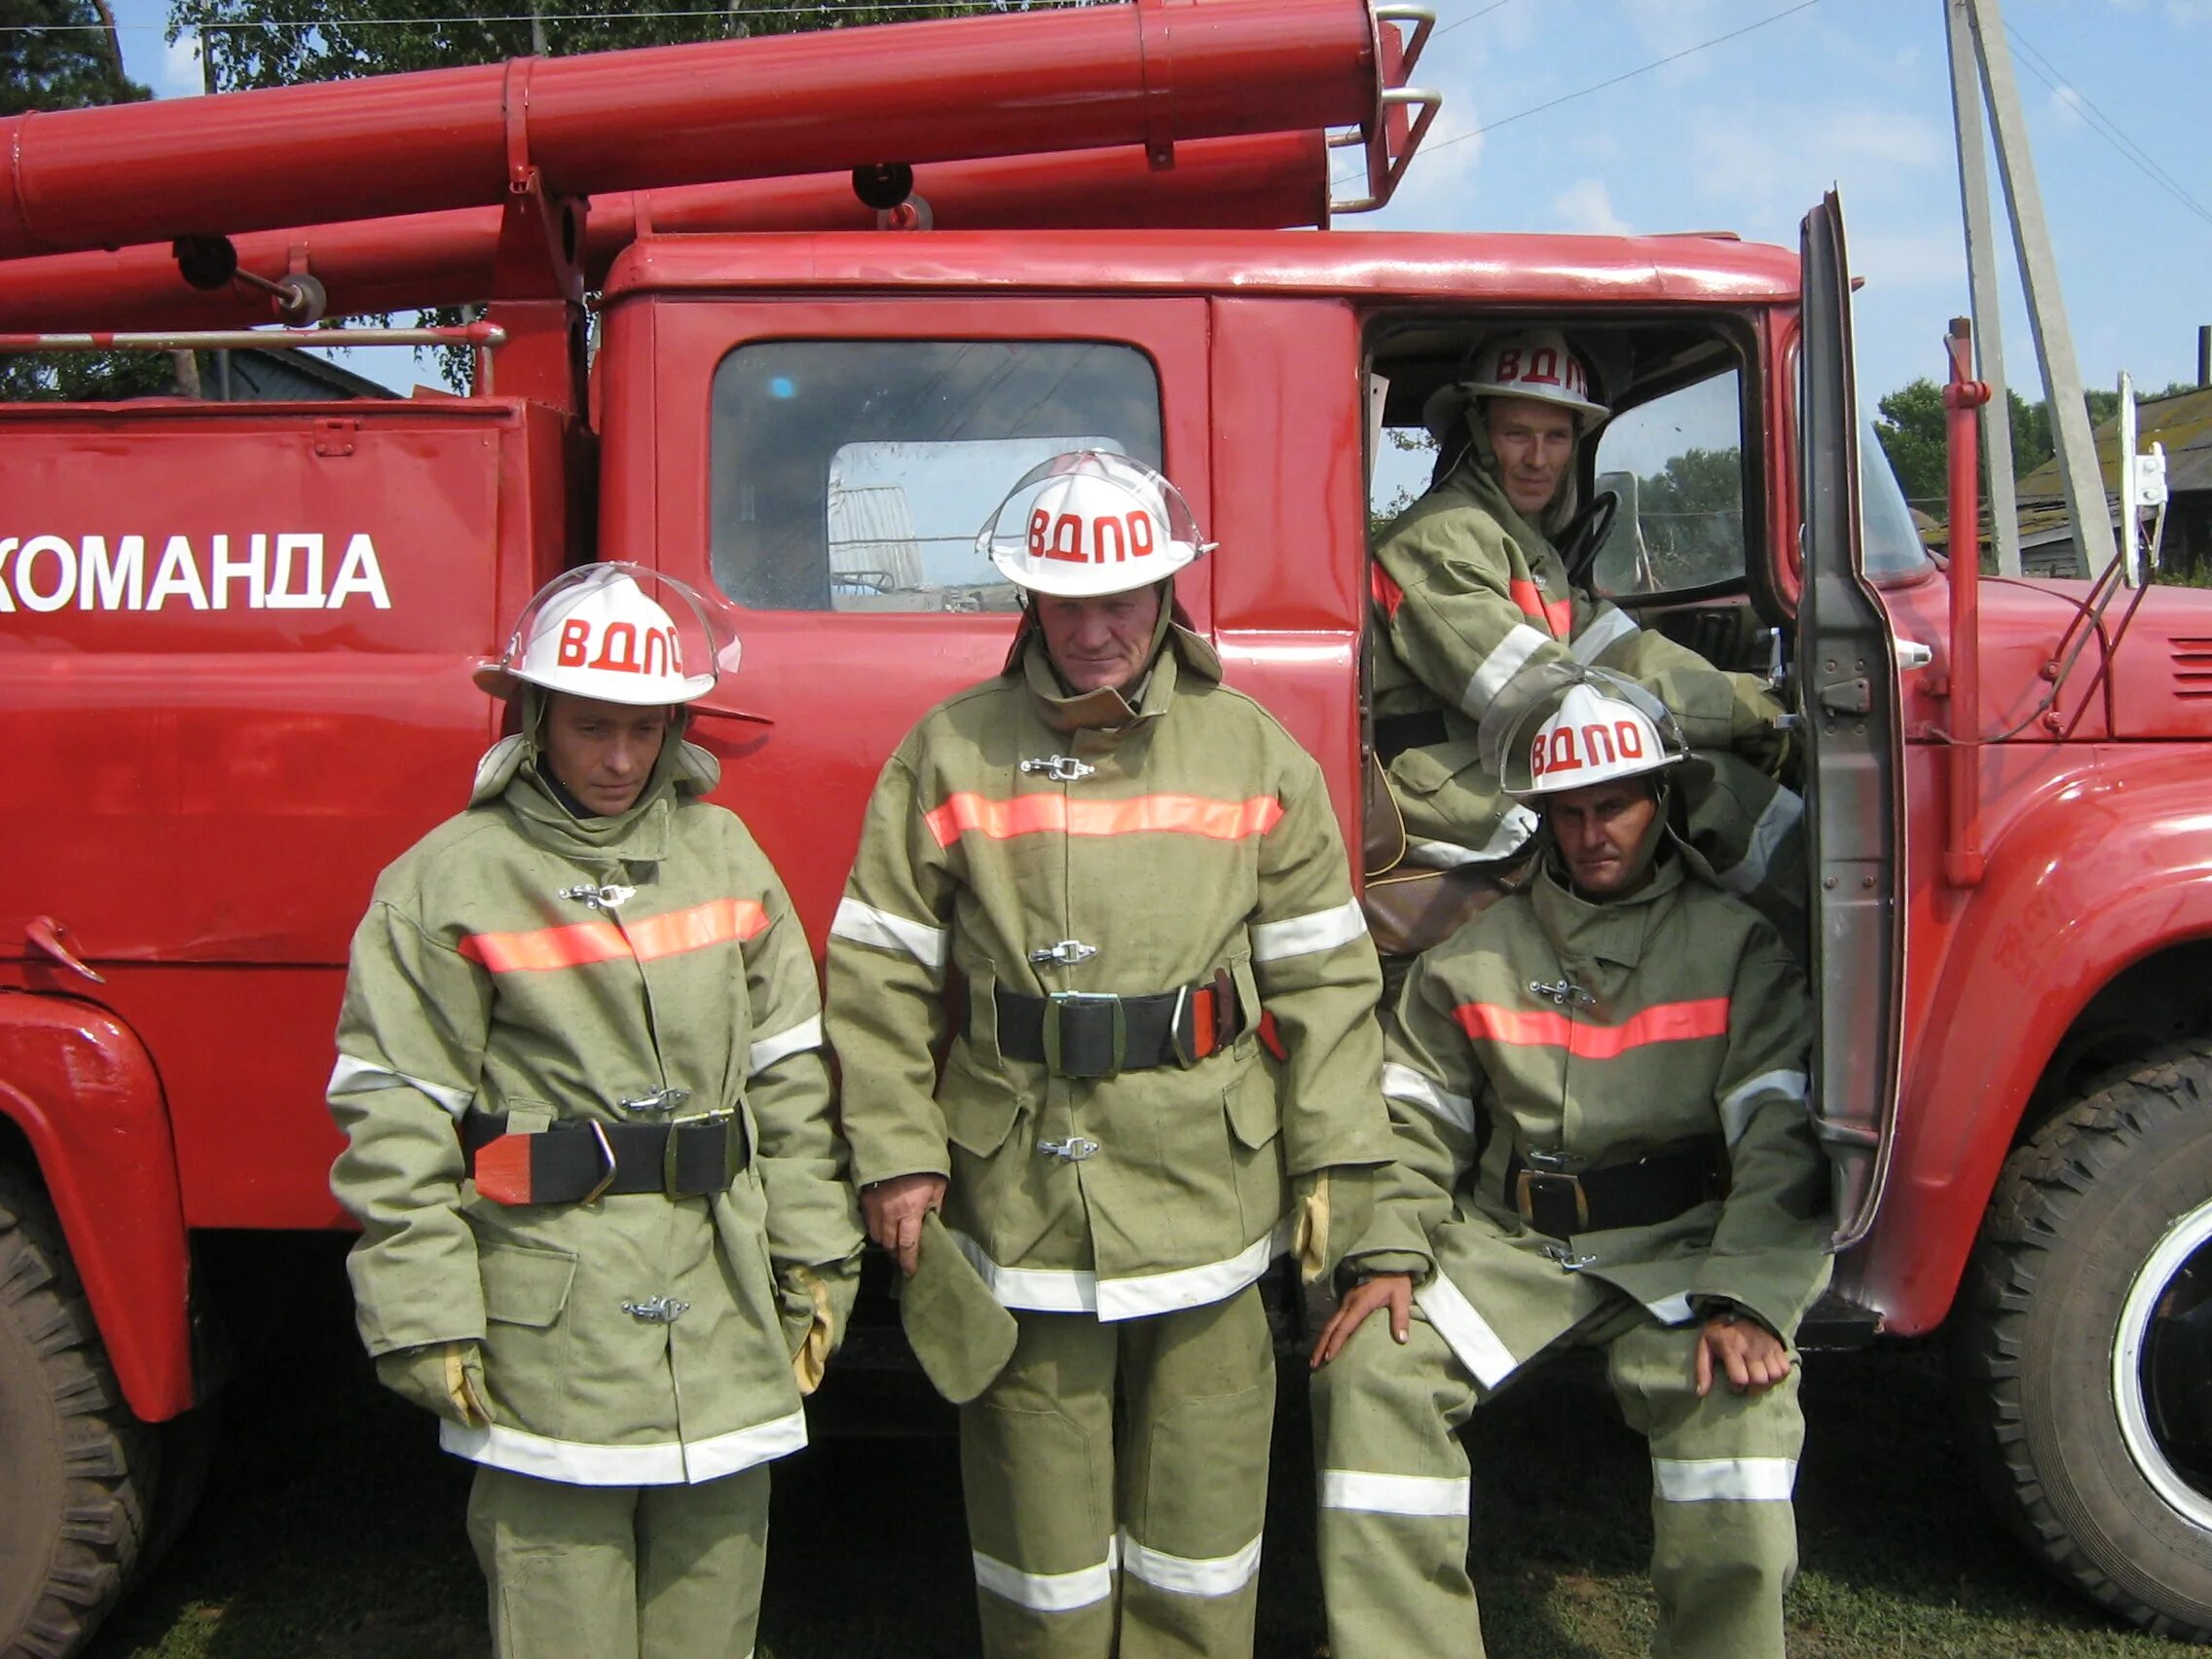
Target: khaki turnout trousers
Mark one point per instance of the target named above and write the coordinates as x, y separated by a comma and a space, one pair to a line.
621, 1573
1394, 1491
1140, 1543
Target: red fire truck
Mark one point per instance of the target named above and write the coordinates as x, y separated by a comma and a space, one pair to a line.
235, 644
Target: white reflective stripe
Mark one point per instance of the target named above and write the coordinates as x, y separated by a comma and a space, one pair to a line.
1187, 1287
865, 924
1670, 1310
798, 1039
1508, 658
1418, 1088
1603, 631
1048, 1592
1323, 929
1736, 1106
1041, 1290
1512, 833
1465, 1332
350, 1076
1780, 816
664, 1462
1393, 1494
1190, 1575
1741, 1480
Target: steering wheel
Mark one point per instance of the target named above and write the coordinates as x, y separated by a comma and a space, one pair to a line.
1585, 532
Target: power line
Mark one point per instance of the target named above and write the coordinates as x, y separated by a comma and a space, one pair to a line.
2105, 128
1612, 80
1462, 22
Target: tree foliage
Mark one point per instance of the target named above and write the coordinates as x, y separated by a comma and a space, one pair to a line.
62, 54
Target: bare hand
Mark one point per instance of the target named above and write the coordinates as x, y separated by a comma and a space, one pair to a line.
895, 1209
1394, 1291
1752, 1355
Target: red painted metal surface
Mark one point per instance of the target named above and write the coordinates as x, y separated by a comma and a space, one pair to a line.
1963, 396
83, 1089
1153, 74
1264, 181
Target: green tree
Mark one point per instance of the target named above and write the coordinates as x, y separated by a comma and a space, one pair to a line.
1691, 513
62, 54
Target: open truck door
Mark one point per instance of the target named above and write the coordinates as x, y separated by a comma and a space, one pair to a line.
1851, 731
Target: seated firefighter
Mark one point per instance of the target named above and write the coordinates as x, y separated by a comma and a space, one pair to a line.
1472, 596
1598, 1092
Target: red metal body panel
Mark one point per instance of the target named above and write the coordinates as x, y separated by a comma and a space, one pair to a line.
838, 689
1265, 182
1151, 74
83, 1089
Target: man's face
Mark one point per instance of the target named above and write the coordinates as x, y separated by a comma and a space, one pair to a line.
1599, 830
1099, 644
1534, 444
603, 753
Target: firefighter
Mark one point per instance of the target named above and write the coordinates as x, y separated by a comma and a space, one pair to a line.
1598, 1093
606, 1234
1470, 595
1136, 877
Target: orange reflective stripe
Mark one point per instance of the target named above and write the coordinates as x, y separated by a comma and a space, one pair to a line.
1556, 615
1662, 1023
1387, 594
581, 944
1138, 815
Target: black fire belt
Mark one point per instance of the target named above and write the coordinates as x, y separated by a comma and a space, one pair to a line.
579, 1162
1657, 1187
1083, 1034
1395, 735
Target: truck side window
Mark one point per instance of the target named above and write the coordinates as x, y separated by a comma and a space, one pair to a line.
1678, 465
854, 474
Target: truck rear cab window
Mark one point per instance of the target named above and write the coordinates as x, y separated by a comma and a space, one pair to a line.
1677, 462
851, 475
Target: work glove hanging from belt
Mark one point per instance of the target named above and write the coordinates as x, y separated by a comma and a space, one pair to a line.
443, 1378
1333, 1209
817, 1303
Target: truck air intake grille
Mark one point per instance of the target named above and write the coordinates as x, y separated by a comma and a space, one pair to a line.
2192, 668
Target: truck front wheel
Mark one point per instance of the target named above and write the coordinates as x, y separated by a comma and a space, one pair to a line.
2082, 1345
74, 1463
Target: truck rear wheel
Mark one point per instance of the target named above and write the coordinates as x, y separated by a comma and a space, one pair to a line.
75, 1464
2082, 1344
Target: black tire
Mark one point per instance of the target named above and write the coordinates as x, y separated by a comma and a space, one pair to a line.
76, 1466
2080, 1338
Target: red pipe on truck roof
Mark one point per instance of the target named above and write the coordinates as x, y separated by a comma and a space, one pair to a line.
1265, 181
1155, 73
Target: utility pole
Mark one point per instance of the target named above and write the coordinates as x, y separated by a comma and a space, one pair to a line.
1981, 279
2077, 470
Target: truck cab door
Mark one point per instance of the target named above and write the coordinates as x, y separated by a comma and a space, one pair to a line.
1852, 732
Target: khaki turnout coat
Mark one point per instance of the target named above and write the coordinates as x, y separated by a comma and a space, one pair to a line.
1472, 605
1602, 1033
1026, 839
519, 960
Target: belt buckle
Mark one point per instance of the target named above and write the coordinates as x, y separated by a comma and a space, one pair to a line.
1056, 1006
671, 1148
607, 1160
1531, 1182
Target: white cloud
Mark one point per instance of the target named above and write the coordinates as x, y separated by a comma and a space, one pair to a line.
1586, 206
2066, 104
179, 75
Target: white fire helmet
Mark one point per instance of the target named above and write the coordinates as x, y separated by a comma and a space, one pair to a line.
595, 632
1090, 522
1591, 738
1535, 363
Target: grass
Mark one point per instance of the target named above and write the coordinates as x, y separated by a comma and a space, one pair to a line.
332, 1526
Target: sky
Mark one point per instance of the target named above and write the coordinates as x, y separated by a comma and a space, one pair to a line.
1744, 134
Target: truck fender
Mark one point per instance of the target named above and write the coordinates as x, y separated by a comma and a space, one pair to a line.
2093, 878
83, 1089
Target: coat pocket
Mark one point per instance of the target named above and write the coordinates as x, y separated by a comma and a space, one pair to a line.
523, 1284
1254, 1112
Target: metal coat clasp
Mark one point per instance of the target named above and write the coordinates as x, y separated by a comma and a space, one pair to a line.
1073, 1150
1068, 952
1062, 768
657, 1309
1564, 994
611, 897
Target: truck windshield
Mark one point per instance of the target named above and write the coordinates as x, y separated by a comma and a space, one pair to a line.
1889, 539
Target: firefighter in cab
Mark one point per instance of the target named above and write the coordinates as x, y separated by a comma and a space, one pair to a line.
606, 1234
1161, 1068
1598, 1096
1471, 596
